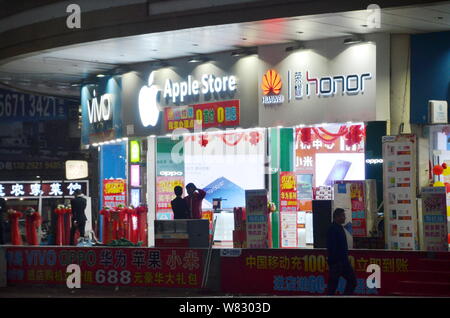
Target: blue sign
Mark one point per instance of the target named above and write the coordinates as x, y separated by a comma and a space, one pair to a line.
17, 106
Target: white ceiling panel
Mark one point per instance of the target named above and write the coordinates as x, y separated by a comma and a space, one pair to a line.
77, 62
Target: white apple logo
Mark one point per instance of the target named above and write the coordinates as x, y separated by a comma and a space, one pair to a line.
148, 104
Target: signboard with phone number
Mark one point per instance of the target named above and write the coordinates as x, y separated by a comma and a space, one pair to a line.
16, 106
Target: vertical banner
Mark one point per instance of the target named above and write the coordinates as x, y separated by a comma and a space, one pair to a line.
288, 192
342, 199
257, 218
114, 192
289, 237
165, 194
399, 187
434, 212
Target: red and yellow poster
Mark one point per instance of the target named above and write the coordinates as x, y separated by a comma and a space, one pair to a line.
217, 114
288, 191
114, 192
146, 267
165, 194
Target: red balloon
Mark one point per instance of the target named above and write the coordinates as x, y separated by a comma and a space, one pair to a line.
438, 170
444, 165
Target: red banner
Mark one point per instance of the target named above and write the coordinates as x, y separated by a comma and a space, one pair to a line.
218, 114
114, 192
179, 268
303, 272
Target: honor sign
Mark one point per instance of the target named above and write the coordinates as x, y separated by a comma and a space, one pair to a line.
327, 82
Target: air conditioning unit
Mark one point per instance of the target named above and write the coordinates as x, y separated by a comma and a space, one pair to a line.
437, 112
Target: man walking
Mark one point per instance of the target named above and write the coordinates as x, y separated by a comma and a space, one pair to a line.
338, 262
78, 217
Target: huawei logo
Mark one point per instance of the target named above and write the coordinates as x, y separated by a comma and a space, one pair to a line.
271, 83
271, 87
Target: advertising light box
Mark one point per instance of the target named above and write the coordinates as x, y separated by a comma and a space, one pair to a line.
225, 164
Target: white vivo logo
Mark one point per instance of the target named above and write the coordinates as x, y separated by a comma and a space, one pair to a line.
210, 84
374, 279
100, 111
148, 104
74, 279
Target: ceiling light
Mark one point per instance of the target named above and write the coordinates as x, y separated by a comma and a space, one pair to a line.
353, 40
243, 52
296, 46
100, 75
197, 59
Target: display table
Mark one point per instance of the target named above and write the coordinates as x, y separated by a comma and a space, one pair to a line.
182, 233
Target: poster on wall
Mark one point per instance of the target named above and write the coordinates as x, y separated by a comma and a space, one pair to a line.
288, 191
399, 187
257, 218
218, 114
165, 194
288, 221
225, 165
342, 199
114, 192
331, 152
434, 213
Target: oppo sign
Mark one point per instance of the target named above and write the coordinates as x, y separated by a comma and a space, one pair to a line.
177, 91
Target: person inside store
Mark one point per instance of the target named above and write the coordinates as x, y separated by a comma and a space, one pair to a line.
338, 262
79, 219
194, 200
3, 216
179, 205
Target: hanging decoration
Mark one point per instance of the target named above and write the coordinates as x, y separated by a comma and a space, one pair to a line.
237, 138
306, 135
204, 140
354, 135
438, 170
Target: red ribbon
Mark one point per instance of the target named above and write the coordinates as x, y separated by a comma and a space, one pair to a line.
32, 222
142, 224
107, 226
60, 233
14, 217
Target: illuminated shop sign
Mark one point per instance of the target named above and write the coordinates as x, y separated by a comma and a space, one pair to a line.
305, 84
46, 189
209, 84
100, 110
178, 92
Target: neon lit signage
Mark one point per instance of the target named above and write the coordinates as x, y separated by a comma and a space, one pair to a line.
209, 84
307, 85
100, 110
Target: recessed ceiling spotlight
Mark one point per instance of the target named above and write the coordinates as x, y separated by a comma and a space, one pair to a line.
440, 18
364, 25
300, 32
353, 40
244, 39
100, 75
195, 44
197, 59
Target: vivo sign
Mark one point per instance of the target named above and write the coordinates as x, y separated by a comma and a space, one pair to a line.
177, 91
100, 110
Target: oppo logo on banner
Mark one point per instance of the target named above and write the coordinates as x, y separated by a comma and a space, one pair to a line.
208, 84
100, 110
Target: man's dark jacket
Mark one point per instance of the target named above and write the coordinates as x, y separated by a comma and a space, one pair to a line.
337, 244
78, 206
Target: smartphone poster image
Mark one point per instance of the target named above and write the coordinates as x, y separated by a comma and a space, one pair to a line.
338, 166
